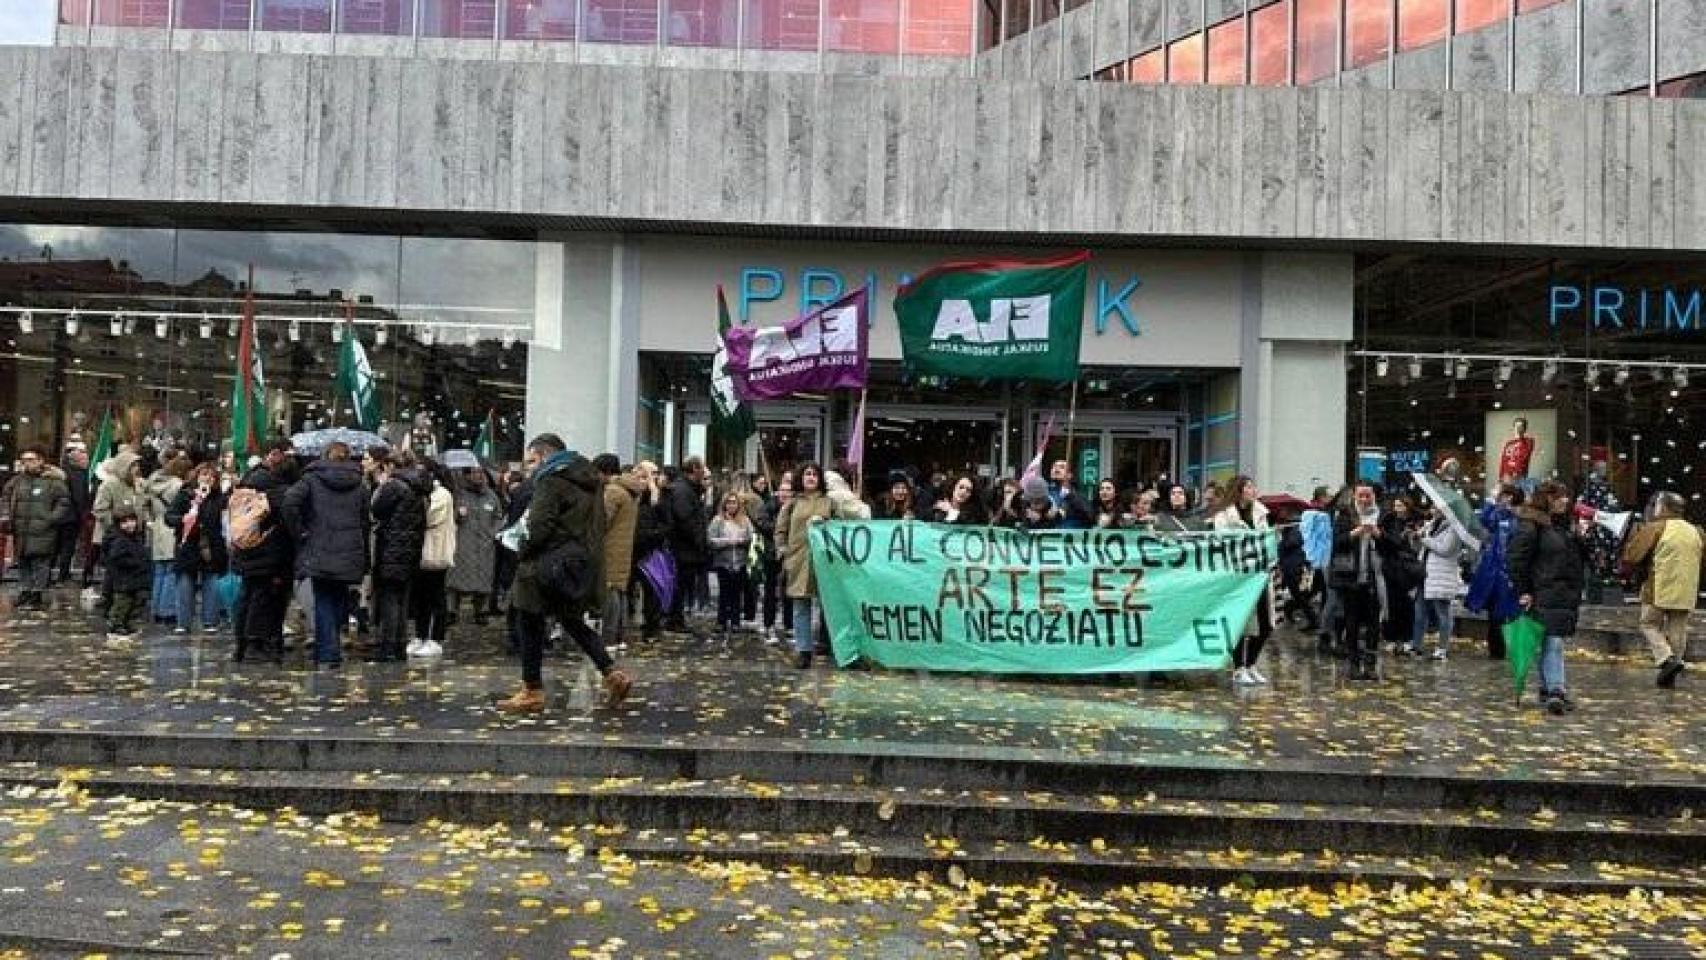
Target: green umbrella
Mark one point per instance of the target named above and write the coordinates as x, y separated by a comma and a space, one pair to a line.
1523, 637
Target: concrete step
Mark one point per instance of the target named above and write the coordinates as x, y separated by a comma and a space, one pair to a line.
1120, 820
852, 764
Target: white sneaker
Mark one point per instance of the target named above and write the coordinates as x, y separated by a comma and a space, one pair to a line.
414, 647
1439, 654
1241, 677
180, 631
430, 648
1255, 675
118, 639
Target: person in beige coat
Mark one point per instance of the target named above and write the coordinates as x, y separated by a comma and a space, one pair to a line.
820, 495
1245, 512
427, 598
1666, 553
622, 493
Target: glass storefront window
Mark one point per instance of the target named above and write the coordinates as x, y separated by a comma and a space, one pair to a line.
1367, 32
1226, 52
989, 25
1148, 67
1475, 14
1685, 88
1270, 29
782, 24
1526, 6
703, 23
1185, 60
213, 14
74, 12
620, 21
295, 16
539, 19
1421, 22
166, 370
861, 26
1317, 39
133, 13
1046, 10
385, 18
459, 19
1018, 17
938, 27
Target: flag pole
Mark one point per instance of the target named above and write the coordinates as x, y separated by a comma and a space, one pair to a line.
1071, 424
859, 475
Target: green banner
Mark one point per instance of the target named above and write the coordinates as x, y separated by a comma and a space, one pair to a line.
995, 319
926, 596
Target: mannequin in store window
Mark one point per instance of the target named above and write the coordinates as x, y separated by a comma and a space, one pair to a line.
1517, 454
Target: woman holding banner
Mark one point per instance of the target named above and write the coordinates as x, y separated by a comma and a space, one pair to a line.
1245, 512
810, 506
1177, 516
963, 506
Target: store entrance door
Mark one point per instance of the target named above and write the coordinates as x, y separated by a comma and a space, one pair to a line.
1132, 452
924, 441
787, 439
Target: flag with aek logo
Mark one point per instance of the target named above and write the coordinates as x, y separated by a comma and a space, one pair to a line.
355, 381
730, 418
996, 319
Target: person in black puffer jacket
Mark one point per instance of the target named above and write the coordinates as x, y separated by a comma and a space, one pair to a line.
130, 570
1547, 561
327, 515
197, 517
266, 569
399, 518
684, 502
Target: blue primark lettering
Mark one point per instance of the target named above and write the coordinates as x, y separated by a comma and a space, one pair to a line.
1117, 304
1682, 319
1607, 302
813, 277
1564, 298
750, 293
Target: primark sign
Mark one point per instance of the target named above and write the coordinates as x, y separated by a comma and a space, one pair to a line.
1607, 307
813, 287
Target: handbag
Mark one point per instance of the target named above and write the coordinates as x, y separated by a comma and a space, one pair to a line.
565, 571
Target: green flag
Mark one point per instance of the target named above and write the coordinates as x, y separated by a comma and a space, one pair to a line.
248, 385
355, 380
485, 444
1523, 639
729, 416
996, 319
103, 441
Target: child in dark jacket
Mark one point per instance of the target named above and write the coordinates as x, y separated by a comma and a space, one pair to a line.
130, 569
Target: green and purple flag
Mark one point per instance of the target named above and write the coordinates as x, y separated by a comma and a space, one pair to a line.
996, 319
731, 417
248, 384
825, 349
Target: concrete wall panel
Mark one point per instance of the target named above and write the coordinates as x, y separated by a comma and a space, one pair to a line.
1480, 60
1332, 166
1112, 40
1546, 50
1081, 37
1682, 38
1147, 25
1421, 69
1615, 40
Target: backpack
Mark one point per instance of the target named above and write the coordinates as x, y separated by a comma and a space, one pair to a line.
247, 526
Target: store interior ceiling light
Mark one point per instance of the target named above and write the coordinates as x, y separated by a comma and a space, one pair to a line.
1415, 368
380, 336
1549, 372
1506, 368
27, 321
337, 333
1462, 369
73, 323
235, 327
115, 326
295, 331
1679, 376
129, 324
1381, 366
1621, 376
206, 327
162, 327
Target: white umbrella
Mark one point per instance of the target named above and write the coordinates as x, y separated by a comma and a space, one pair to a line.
1453, 507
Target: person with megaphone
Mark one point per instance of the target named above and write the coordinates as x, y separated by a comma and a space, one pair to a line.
1664, 557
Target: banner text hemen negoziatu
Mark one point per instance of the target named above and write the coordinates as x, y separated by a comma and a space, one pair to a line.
915, 595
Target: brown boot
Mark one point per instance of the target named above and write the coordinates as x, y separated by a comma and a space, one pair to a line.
529, 700
616, 686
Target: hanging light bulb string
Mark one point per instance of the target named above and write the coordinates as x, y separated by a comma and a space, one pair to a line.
1455, 363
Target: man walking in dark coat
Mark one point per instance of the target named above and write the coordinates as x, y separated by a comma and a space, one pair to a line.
688, 538
565, 519
266, 567
328, 517
399, 519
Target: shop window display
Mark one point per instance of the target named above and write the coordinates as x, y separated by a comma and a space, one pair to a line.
141, 324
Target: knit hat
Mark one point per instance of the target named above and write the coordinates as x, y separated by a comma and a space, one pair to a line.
1034, 488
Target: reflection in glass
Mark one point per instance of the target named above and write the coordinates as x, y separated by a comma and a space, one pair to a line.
1018, 17
459, 19
938, 27
781, 24
1367, 32
989, 24
74, 12
620, 21
1421, 22
1524, 6
861, 26
213, 14
1226, 52
1475, 14
539, 19
132, 13
1148, 67
295, 16
703, 23
1270, 29
1685, 88
1185, 60
386, 18
1317, 39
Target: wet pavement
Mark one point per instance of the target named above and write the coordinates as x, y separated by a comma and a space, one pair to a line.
1457, 717
88, 877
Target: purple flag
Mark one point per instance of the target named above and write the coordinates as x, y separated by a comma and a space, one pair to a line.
826, 349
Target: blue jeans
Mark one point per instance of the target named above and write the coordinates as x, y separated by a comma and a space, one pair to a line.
803, 624
163, 600
188, 584
1552, 664
331, 615
1435, 613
